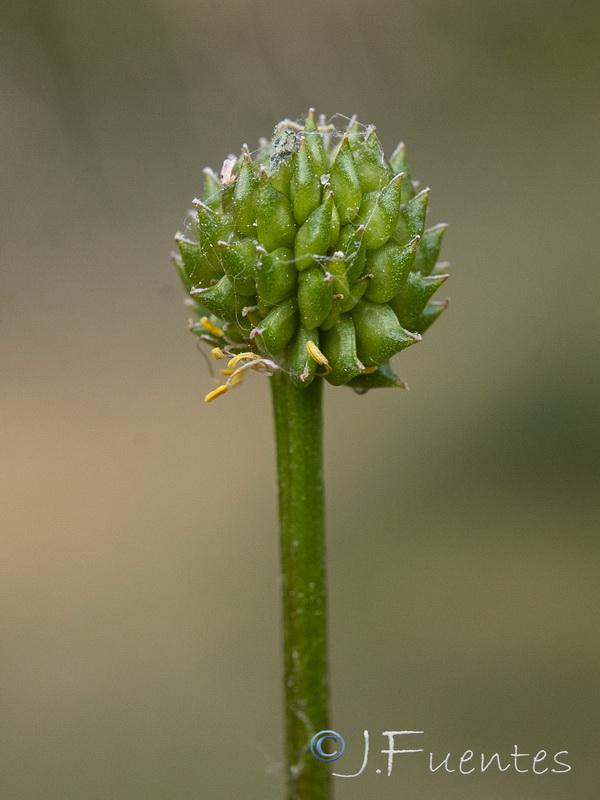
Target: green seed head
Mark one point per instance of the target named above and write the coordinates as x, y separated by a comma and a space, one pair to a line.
311, 256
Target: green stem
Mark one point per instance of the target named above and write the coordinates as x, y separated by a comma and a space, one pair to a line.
298, 437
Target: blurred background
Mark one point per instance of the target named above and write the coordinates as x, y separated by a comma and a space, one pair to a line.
140, 622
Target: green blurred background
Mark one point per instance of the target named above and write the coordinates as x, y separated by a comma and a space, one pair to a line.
140, 654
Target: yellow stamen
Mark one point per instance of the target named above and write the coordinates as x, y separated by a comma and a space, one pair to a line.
236, 378
227, 371
211, 327
215, 393
318, 356
217, 353
369, 370
248, 355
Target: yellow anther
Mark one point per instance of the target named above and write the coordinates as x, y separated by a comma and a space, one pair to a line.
211, 327
227, 371
316, 354
215, 393
369, 370
217, 353
248, 355
236, 378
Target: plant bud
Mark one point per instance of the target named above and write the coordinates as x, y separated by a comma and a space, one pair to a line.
244, 197
334, 314
223, 301
338, 272
429, 249
315, 296
398, 164
212, 227
379, 213
339, 346
314, 236
429, 315
277, 328
345, 183
374, 172
211, 193
410, 303
276, 275
315, 145
379, 335
239, 260
389, 266
351, 244
197, 269
274, 218
281, 177
356, 293
305, 188
355, 132
301, 366
382, 377
411, 221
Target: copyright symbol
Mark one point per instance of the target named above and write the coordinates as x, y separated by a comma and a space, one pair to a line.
316, 746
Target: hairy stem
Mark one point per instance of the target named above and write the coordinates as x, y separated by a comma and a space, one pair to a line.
300, 473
